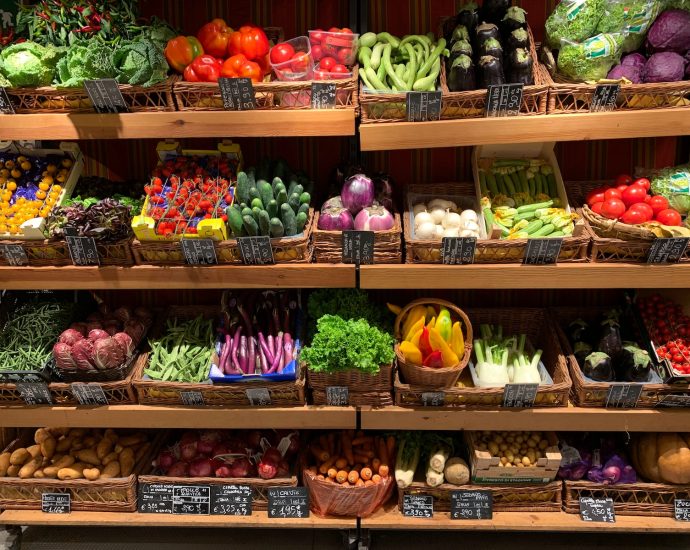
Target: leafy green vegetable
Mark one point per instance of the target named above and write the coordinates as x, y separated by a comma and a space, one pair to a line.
84, 63
633, 17
341, 345
573, 21
591, 59
29, 64
674, 184
348, 304
140, 63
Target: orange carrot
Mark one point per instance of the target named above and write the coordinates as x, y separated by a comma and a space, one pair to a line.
361, 459
366, 474
327, 465
361, 440
341, 463
345, 484
390, 446
353, 476
383, 470
376, 479
383, 452
357, 468
341, 476
319, 453
347, 448
359, 483
368, 483
332, 472
320, 477
375, 464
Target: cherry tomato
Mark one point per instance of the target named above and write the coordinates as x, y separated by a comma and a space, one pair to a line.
282, 53
644, 182
669, 216
596, 207
612, 194
327, 63
658, 203
339, 69
612, 208
316, 36
335, 29
595, 195
623, 179
344, 55
633, 194
299, 63
316, 52
346, 30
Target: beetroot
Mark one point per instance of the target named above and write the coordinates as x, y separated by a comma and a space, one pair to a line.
179, 469
97, 334
201, 467
62, 353
165, 460
70, 337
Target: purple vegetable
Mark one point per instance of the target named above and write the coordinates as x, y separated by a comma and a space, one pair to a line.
264, 360
224, 353
265, 347
252, 355
628, 475
357, 193
670, 32
374, 218
288, 348
664, 67
632, 72
234, 352
244, 360
336, 219
384, 190
634, 60
278, 356
333, 202
615, 470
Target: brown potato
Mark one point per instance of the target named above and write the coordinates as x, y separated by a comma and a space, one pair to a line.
39, 474
76, 471
89, 441
63, 445
77, 433
48, 447
111, 470
4, 463
104, 447
30, 467
111, 434
92, 474
34, 450
126, 462
13, 470
109, 458
64, 462
89, 456
131, 440
20, 456
41, 435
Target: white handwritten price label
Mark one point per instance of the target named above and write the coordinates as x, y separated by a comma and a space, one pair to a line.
597, 510
471, 505
56, 503
191, 500
231, 500
288, 502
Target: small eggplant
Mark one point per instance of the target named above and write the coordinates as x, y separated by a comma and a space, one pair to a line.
610, 341
459, 33
581, 350
598, 367
519, 67
468, 16
461, 76
491, 47
486, 31
461, 47
515, 18
490, 72
632, 364
578, 331
493, 11
518, 39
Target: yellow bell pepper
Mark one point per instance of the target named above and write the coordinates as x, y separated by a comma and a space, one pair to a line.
449, 357
415, 314
393, 308
411, 353
419, 325
444, 324
415, 339
457, 341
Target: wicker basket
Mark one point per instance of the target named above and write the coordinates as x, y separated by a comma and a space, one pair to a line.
424, 376
328, 245
48, 99
510, 498
634, 499
536, 323
363, 388
56, 253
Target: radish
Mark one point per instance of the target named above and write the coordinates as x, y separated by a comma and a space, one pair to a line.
267, 469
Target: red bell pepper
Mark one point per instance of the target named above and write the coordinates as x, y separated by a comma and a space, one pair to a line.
238, 66
433, 360
214, 37
181, 51
424, 344
250, 41
204, 68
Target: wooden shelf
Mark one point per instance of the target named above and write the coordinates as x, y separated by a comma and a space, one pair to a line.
257, 519
391, 518
550, 419
481, 276
183, 124
138, 416
524, 129
144, 276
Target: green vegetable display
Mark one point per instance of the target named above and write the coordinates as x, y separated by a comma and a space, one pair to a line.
29, 64
348, 303
633, 17
84, 63
573, 21
674, 184
591, 59
139, 62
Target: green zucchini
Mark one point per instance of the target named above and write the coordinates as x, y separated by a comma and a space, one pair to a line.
287, 215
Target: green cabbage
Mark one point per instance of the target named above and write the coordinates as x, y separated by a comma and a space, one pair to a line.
84, 63
29, 64
674, 184
591, 59
139, 63
573, 21
632, 17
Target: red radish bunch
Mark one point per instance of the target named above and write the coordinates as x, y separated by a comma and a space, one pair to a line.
669, 326
631, 202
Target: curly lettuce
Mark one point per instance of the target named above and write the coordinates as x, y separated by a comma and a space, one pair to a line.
573, 21
592, 59
631, 17
674, 184
84, 63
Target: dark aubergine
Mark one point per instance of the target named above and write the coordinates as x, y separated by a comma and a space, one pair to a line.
610, 341
515, 18
632, 364
519, 67
598, 367
468, 16
491, 47
581, 350
493, 11
486, 31
459, 33
461, 47
579, 331
461, 77
518, 39
490, 72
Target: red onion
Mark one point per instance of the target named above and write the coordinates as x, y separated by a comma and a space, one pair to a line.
357, 193
336, 219
374, 218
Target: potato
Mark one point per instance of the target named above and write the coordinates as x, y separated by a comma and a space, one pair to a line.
109, 458
77, 433
13, 470
39, 474
30, 467
76, 471
4, 463
89, 456
111, 470
77, 445
63, 445
92, 474
118, 448
126, 462
64, 462
111, 434
20, 456
34, 450
41, 435
131, 440
89, 441
48, 446
104, 447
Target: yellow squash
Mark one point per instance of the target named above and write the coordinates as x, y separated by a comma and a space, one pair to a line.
448, 356
411, 353
415, 314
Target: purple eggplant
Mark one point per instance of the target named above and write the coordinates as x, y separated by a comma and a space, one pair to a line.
265, 347
244, 361
252, 355
235, 350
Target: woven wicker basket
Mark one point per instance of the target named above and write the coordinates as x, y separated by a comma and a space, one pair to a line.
56, 253
536, 323
428, 377
506, 498
363, 388
634, 499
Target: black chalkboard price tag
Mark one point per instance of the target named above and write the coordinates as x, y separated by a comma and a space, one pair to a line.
155, 498
520, 396
191, 500
83, 250
256, 250
418, 506
598, 510
6, 107
471, 505
423, 106
106, 96
237, 94
503, 100
288, 502
89, 394
192, 398
542, 251
604, 98
14, 254
56, 503
323, 95
199, 251
623, 396
433, 399
358, 247
258, 397
34, 393
674, 401
681, 509
231, 500
458, 250
667, 251
337, 396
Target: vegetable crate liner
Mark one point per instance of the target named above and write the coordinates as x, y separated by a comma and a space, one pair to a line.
363, 388
633, 499
158, 97
613, 241
512, 498
101, 495
328, 245
536, 323
56, 253
588, 393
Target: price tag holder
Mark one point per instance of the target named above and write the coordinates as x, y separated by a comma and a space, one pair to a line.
191, 500
192, 398
503, 100
667, 251
155, 498
89, 394
237, 94
542, 251
423, 106
418, 506
674, 401
337, 396
471, 505
56, 503
14, 254
6, 107
433, 399
458, 250
681, 509
604, 98
83, 250
623, 396
106, 96
258, 397
358, 247
288, 502
598, 510
34, 393
231, 500
199, 251
256, 250
323, 95
520, 396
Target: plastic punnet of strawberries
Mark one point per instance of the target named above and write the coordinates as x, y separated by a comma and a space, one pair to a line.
669, 327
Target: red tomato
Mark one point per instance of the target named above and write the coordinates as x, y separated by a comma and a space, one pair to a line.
300, 63
623, 179
335, 29
281, 53
644, 182
596, 207
645, 208
634, 217
316, 52
346, 30
668, 216
339, 69
344, 54
327, 63
658, 203
612, 194
633, 194
595, 195
612, 208
621, 188
316, 36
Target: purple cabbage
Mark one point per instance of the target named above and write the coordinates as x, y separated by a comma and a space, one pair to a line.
615, 470
664, 67
577, 470
631, 72
634, 60
670, 32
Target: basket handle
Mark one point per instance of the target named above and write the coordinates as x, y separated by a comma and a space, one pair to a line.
433, 301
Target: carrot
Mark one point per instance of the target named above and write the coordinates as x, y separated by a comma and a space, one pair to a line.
357, 468
368, 483
353, 476
319, 453
320, 477
332, 472
331, 443
383, 470
345, 483
390, 447
361, 440
376, 479
360, 458
341, 476
375, 464
341, 463
347, 448
383, 452
359, 483
327, 465
366, 474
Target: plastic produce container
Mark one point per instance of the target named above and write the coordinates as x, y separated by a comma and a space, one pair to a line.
342, 46
295, 69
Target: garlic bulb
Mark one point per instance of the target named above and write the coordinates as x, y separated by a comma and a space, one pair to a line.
469, 216
422, 217
427, 230
451, 219
437, 214
417, 208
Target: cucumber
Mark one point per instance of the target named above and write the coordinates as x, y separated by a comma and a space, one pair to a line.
250, 226
293, 201
281, 198
243, 205
253, 194
246, 212
301, 221
264, 222
305, 198
272, 208
265, 192
275, 183
276, 228
243, 187
299, 189
291, 188
257, 203
234, 221
288, 217
303, 208
255, 213
280, 187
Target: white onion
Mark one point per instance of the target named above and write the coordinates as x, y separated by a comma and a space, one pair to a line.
469, 216
472, 226
451, 219
452, 232
417, 208
442, 203
439, 231
437, 214
422, 217
426, 230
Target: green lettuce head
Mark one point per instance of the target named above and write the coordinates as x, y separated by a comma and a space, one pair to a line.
29, 64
